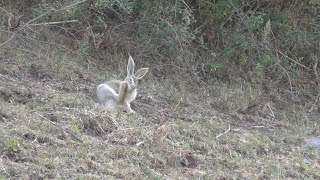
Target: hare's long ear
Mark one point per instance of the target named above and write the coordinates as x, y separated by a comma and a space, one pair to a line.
130, 67
141, 72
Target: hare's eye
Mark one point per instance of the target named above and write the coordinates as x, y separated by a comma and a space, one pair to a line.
130, 80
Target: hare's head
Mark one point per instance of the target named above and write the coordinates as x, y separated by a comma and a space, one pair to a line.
132, 79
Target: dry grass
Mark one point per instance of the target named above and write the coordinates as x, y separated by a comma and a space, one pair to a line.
51, 128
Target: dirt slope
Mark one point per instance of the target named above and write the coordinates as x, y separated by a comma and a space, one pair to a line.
50, 128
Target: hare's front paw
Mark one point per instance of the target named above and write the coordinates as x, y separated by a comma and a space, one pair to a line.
128, 108
132, 112
124, 84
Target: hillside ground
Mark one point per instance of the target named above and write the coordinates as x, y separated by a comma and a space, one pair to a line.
51, 128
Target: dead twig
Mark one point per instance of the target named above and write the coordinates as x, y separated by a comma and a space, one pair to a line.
272, 113
186, 5
25, 25
223, 132
315, 69
40, 16
57, 125
54, 23
293, 60
175, 108
280, 66
259, 126
285, 72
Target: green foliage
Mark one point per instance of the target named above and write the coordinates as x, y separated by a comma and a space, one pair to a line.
76, 129
254, 21
13, 144
169, 24
216, 66
250, 35
46, 6
315, 2
213, 13
83, 48
139, 7
246, 35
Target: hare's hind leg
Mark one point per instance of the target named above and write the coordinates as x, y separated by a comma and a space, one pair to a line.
106, 95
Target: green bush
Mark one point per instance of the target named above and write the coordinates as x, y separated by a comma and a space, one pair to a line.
231, 37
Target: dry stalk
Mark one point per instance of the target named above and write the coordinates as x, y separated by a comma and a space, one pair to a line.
175, 108
54, 23
293, 60
315, 68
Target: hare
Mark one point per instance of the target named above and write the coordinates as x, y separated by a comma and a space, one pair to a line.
116, 93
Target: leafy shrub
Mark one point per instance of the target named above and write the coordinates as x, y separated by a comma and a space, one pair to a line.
235, 38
